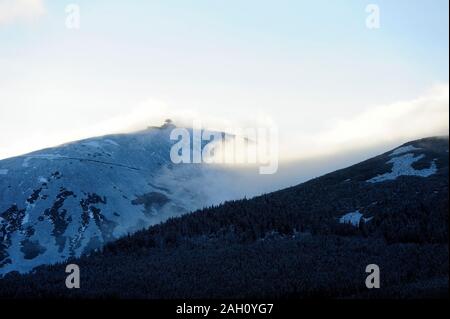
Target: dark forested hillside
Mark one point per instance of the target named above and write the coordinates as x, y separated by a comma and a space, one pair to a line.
311, 240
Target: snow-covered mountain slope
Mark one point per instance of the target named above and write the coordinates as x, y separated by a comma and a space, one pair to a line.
61, 202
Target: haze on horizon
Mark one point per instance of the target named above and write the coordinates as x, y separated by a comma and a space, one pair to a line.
311, 68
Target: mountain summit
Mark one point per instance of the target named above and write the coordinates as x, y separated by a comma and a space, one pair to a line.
65, 201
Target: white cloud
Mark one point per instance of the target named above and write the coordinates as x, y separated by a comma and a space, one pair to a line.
384, 125
153, 112
425, 116
20, 10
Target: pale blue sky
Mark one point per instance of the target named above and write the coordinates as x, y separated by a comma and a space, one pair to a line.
306, 65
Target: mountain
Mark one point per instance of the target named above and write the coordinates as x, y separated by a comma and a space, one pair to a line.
68, 200
310, 240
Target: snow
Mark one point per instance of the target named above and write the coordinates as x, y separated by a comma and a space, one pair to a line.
404, 149
42, 179
92, 144
49, 157
84, 178
353, 218
401, 166
111, 142
3, 171
26, 218
29, 208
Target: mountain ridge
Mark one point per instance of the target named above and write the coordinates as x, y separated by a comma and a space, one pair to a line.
305, 231
66, 200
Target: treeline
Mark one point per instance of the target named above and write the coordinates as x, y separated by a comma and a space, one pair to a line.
300, 267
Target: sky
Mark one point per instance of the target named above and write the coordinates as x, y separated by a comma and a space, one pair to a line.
311, 68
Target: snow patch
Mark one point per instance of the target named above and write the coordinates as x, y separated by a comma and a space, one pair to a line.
353, 218
402, 167
49, 157
404, 149
95, 144
42, 180
29, 208
111, 142
26, 219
